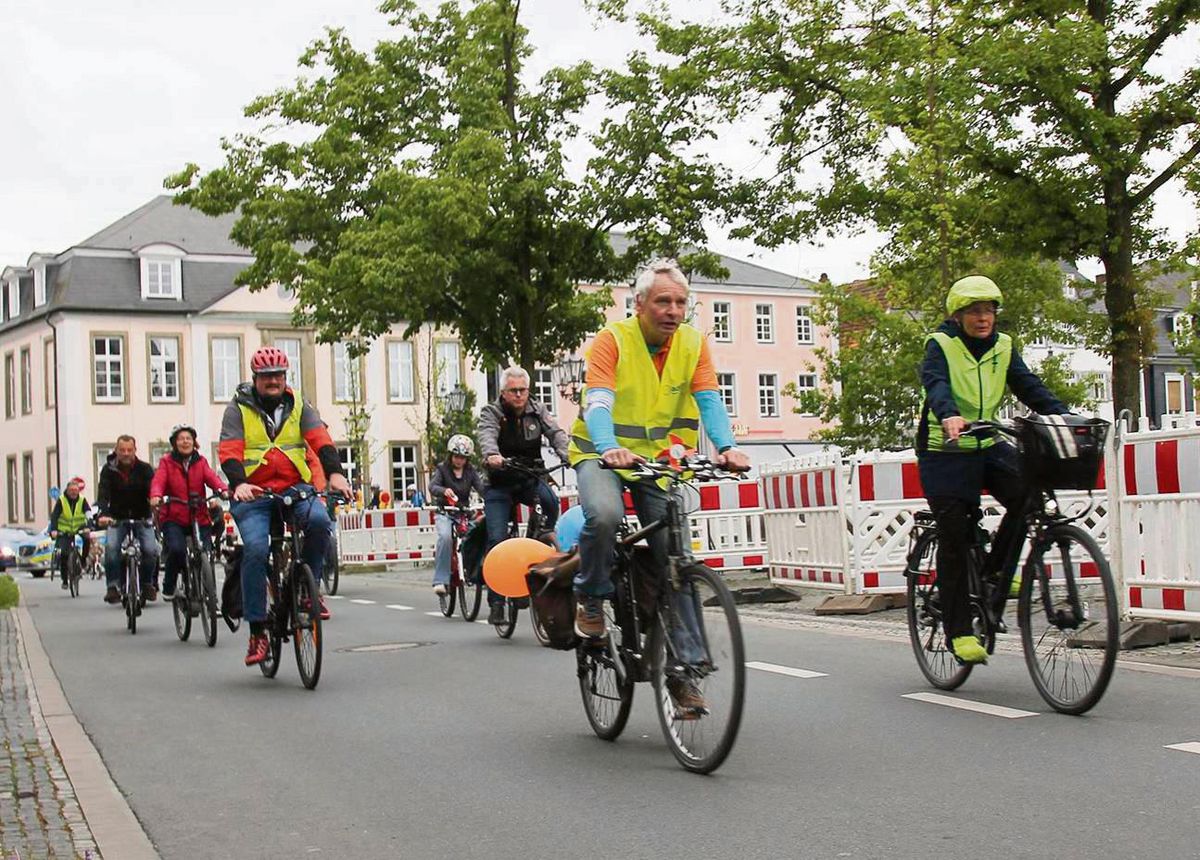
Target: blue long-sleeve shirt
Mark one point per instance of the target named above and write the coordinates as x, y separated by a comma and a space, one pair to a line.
598, 418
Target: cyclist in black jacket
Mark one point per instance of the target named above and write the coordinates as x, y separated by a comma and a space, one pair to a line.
124, 494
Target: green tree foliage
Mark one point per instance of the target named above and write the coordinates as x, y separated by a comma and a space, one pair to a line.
431, 181
1036, 129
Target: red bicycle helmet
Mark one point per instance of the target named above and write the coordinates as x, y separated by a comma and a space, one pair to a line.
78, 481
268, 359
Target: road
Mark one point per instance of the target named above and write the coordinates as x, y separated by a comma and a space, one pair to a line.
467, 746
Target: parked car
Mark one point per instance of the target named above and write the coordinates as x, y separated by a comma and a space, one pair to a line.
36, 552
10, 539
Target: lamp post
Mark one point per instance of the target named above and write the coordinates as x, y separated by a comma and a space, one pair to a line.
568, 376
455, 399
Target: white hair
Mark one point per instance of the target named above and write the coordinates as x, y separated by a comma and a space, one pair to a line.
512, 372
651, 271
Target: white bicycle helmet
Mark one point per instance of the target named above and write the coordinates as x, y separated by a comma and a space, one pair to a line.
461, 445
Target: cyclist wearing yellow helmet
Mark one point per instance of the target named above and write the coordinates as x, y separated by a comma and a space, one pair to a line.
968, 365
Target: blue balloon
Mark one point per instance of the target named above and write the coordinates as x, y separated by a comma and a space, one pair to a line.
569, 526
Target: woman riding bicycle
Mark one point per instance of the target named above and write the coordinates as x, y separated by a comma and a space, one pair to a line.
452, 483
182, 473
967, 366
68, 519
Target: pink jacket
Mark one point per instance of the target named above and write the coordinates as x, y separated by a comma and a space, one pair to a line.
174, 480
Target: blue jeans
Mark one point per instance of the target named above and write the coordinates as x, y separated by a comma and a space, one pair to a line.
254, 523
175, 539
445, 542
114, 537
603, 511
498, 509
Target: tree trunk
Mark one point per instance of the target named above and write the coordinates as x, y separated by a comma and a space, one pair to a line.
1120, 299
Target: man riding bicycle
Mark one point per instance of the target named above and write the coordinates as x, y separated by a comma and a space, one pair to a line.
124, 494
68, 519
513, 428
650, 382
966, 368
266, 434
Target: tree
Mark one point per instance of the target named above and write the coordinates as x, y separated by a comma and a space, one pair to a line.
1061, 118
430, 181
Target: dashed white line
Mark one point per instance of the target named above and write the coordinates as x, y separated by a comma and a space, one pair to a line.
399, 606
362, 602
434, 614
335, 597
785, 670
968, 705
482, 621
1191, 746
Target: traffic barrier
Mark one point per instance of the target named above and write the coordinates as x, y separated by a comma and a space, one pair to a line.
387, 535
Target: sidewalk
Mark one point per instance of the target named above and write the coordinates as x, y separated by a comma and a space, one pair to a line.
40, 816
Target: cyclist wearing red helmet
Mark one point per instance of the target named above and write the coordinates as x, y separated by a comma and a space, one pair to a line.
266, 435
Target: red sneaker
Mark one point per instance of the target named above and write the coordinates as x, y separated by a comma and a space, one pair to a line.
306, 605
259, 650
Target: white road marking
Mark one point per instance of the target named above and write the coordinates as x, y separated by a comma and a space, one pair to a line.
1191, 746
362, 602
399, 606
785, 670
483, 621
434, 614
968, 705
335, 597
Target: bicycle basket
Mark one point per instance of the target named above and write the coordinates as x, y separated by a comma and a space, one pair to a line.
1062, 452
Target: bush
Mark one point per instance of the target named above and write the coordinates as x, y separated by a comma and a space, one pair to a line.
9, 593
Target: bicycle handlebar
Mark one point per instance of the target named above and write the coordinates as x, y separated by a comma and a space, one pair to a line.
702, 469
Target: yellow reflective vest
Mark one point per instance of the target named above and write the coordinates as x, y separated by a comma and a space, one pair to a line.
648, 408
289, 440
71, 518
977, 385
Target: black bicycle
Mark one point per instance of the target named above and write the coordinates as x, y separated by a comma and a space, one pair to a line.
1066, 601
132, 599
196, 593
331, 573
70, 564
654, 612
293, 602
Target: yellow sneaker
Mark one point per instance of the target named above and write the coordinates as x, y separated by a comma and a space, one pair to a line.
1014, 589
968, 650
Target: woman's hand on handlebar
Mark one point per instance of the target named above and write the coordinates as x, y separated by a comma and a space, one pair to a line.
953, 427
621, 458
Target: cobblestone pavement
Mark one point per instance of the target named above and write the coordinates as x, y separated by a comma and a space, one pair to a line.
39, 814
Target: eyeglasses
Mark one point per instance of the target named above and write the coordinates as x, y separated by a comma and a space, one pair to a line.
515, 390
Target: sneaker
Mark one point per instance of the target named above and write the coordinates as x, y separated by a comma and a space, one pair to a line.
151, 594
968, 650
306, 605
259, 650
112, 595
689, 703
167, 595
1014, 590
439, 589
497, 615
589, 618
64, 583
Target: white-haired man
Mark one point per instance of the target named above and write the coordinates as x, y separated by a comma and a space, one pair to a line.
512, 428
648, 377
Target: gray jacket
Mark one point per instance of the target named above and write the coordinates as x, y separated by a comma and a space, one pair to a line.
488, 428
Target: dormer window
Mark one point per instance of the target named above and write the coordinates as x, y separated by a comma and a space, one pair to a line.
162, 272
39, 286
14, 299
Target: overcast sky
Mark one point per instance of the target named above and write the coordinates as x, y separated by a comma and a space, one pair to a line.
100, 101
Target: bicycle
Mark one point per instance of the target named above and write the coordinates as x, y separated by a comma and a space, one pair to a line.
132, 600
638, 649
71, 568
1066, 603
196, 593
293, 602
332, 572
464, 589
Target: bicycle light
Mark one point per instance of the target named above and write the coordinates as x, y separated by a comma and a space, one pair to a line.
1051, 507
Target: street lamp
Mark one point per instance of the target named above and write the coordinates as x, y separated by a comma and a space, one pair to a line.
455, 399
568, 375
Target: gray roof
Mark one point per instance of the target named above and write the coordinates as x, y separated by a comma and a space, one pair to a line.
741, 273
161, 220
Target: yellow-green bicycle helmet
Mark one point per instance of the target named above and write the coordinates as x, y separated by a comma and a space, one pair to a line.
969, 290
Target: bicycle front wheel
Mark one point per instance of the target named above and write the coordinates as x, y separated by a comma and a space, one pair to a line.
331, 574
1068, 614
470, 594
699, 672
74, 573
925, 630
306, 631
133, 594
506, 627
208, 600
275, 608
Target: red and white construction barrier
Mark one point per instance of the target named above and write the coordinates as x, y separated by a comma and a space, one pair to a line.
387, 535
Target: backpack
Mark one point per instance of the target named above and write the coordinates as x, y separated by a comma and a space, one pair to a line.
231, 590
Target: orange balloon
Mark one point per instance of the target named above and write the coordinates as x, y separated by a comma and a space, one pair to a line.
504, 568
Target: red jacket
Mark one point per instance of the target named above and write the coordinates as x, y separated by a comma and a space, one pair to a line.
177, 481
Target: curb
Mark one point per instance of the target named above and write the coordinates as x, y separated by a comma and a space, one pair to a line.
117, 832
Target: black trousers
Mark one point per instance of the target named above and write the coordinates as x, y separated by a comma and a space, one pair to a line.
968, 474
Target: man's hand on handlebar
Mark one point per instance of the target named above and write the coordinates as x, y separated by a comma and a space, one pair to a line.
246, 492
733, 460
494, 461
953, 427
104, 522
339, 484
621, 458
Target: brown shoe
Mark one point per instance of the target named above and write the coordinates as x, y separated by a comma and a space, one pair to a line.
151, 594
589, 618
689, 703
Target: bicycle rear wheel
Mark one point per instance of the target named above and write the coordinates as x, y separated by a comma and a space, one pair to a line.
181, 608
306, 631
506, 627
607, 693
208, 599
925, 631
331, 574
701, 740
1068, 614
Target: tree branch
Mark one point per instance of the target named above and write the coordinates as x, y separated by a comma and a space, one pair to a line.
1168, 27
1166, 176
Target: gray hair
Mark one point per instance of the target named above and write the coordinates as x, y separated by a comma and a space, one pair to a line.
512, 372
648, 274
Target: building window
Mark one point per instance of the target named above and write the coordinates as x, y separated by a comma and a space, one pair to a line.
50, 372
346, 454
26, 381
768, 395
449, 369
722, 322
39, 286
51, 467
158, 450
727, 382
11, 487
543, 389
405, 470
10, 386
401, 379
347, 375
226, 363
164, 369
1175, 394
806, 382
100, 454
27, 480
290, 346
160, 279
108, 369
764, 323
14, 299
804, 325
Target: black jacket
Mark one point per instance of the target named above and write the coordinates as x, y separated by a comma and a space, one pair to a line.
124, 497
443, 479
